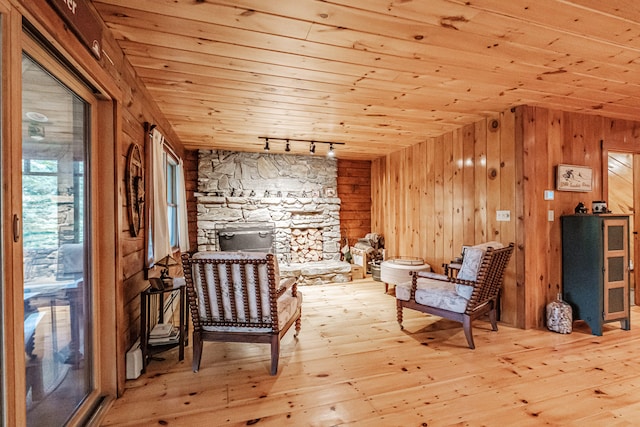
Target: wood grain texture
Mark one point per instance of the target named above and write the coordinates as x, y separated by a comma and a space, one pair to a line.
552, 137
381, 76
409, 78
352, 365
354, 191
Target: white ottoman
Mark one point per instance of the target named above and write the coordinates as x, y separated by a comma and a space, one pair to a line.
396, 270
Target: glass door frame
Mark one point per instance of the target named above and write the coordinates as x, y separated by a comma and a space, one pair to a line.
102, 213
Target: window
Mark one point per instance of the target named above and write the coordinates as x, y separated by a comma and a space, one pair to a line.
168, 218
171, 169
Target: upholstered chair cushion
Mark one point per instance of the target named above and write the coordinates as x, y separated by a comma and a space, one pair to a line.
471, 266
433, 293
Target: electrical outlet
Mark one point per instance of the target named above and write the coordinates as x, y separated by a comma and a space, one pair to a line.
550, 215
503, 215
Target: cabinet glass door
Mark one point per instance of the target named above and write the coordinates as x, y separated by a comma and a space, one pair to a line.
616, 274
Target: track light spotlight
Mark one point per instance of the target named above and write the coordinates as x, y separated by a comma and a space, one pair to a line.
266, 144
331, 153
286, 147
312, 148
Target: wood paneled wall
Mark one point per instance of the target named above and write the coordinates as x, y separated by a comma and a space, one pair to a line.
354, 191
191, 186
550, 138
430, 199
434, 197
137, 108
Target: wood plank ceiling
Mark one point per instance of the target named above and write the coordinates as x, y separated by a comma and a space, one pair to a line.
377, 75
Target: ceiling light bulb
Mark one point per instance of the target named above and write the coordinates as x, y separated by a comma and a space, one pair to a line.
312, 148
287, 148
36, 117
331, 153
266, 144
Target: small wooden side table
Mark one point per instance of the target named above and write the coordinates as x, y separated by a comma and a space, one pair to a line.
146, 321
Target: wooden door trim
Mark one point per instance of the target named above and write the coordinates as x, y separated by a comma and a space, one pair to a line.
636, 227
13, 362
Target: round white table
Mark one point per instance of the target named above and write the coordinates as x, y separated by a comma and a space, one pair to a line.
396, 270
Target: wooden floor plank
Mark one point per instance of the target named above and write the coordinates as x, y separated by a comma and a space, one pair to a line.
353, 365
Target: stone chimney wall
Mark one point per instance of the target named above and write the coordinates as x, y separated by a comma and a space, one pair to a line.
291, 192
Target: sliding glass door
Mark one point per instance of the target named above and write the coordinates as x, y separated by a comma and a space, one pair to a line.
58, 309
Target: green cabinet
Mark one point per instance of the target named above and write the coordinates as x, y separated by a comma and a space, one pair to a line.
595, 268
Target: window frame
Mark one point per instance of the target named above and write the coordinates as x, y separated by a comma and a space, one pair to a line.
171, 164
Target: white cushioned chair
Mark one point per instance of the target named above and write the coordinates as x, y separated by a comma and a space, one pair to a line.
473, 293
239, 297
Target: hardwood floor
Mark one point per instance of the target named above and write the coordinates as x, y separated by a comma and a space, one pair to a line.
352, 365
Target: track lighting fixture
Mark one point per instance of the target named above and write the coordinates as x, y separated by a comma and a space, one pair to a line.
312, 144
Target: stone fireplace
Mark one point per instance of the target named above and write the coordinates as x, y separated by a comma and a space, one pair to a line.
296, 195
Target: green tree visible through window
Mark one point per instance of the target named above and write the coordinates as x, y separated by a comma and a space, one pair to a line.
40, 189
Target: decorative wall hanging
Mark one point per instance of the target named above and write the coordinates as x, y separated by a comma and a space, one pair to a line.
330, 192
574, 178
134, 177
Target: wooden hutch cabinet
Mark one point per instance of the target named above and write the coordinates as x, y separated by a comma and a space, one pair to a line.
595, 268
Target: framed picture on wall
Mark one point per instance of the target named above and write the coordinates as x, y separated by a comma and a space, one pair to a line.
574, 178
330, 192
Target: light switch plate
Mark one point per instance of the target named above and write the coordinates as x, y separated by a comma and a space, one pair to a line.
503, 215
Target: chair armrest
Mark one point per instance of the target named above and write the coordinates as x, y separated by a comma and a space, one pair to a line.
432, 275
463, 282
428, 275
285, 284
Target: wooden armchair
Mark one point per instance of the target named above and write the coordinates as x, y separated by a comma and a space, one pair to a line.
239, 297
473, 293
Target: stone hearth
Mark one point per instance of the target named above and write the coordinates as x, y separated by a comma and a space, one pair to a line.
317, 273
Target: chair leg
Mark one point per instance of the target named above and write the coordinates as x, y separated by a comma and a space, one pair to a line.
399, 313
275, 353
197, 351
493, 318
466, 325
298, 325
